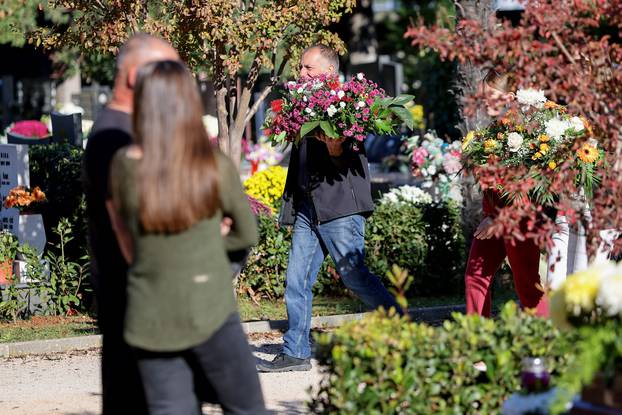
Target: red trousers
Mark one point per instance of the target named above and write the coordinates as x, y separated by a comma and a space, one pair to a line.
486, 257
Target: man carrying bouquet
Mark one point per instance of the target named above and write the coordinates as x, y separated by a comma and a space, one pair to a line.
327, 197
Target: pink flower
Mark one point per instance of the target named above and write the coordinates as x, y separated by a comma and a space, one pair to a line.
419, 156
451, 164
30, 129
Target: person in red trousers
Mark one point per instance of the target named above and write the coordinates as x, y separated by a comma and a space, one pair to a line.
488, 252
486, 256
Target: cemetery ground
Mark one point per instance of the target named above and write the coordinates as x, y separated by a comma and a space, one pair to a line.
69, 383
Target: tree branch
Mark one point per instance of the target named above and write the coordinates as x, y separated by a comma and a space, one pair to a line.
253, 110
559, 43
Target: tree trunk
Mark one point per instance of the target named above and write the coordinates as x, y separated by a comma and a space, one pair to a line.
223, 126
469, 79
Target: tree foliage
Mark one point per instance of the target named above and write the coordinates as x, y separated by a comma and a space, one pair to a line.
571, 49
233, 40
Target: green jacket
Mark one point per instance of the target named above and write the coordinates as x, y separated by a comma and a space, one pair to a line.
179, 289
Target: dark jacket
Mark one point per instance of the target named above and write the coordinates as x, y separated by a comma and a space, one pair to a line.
337, 186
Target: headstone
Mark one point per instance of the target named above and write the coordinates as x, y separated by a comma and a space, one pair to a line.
8, 180
67, 128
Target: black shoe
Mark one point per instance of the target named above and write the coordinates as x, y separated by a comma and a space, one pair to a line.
285, 363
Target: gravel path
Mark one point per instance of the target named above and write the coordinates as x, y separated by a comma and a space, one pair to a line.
69, 384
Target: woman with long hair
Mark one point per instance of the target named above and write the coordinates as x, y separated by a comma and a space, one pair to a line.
170, 191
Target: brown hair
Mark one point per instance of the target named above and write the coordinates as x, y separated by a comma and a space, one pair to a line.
178, 175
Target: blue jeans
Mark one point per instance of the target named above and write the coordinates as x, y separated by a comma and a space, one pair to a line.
344, 240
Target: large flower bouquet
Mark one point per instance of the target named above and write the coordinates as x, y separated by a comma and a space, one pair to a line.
540, 136
352, 109
437, 162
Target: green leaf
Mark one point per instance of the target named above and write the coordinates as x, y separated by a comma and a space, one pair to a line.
328, 129
308, 127
280, 137
404, 115
402, 99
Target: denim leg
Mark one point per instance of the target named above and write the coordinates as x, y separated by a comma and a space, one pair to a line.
344, 239
305, 259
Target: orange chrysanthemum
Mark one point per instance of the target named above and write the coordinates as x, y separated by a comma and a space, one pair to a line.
550, 105
588, 153
544, 138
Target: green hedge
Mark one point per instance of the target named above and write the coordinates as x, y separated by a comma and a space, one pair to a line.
57, 170
425, 240
385, 365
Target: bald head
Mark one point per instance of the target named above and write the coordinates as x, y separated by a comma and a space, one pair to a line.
143, 48
137, 51
317, 60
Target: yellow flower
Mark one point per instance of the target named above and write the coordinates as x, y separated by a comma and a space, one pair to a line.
267, 185
520, 128
552, 165
467, 140
544, 138
536, 156
417, 113
581, 289
490, 145
544, 148
558, 310
588, 153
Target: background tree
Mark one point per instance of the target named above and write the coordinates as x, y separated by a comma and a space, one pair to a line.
233, 40
572, 50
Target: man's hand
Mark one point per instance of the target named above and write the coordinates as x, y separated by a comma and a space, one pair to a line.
334, 145
484, 230
225, 226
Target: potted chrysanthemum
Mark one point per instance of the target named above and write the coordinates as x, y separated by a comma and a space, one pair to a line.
27, 201
28, 132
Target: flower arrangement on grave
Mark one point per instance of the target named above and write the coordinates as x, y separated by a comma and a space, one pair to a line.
267, 185
590, 302
437, 162
406, 195
540, 136
29, 129
352, 109
24, 199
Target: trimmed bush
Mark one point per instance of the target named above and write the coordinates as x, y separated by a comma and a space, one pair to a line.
383, 365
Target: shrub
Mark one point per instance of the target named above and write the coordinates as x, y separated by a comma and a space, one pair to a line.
382, 365
264, 273
424, 238
57, 168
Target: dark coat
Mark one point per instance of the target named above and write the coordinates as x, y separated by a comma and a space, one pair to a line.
338, 186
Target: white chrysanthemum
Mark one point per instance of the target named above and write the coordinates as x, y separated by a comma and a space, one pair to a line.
432, 170
360, 76
556, 128
361, 104
609, 295
406, 194
515, 141
531, 97
308, 110
331, 110
341, 94
342, 104
300, 90
332, 92
577, 124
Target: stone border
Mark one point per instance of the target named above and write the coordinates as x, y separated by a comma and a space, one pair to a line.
42, 347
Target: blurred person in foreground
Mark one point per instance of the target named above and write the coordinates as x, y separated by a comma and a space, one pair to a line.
170, 191
122, 391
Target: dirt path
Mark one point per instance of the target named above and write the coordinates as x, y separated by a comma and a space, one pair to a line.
69, 384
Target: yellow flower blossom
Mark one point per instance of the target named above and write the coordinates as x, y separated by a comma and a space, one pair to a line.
588, 153
544, 148
552, 165
467, 140
544, 138
536, 156
580, 290
267, 185
490, 145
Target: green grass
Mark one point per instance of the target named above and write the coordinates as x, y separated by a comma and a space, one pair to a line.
43, 328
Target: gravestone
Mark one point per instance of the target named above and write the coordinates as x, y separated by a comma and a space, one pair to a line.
8, 179
67, 128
